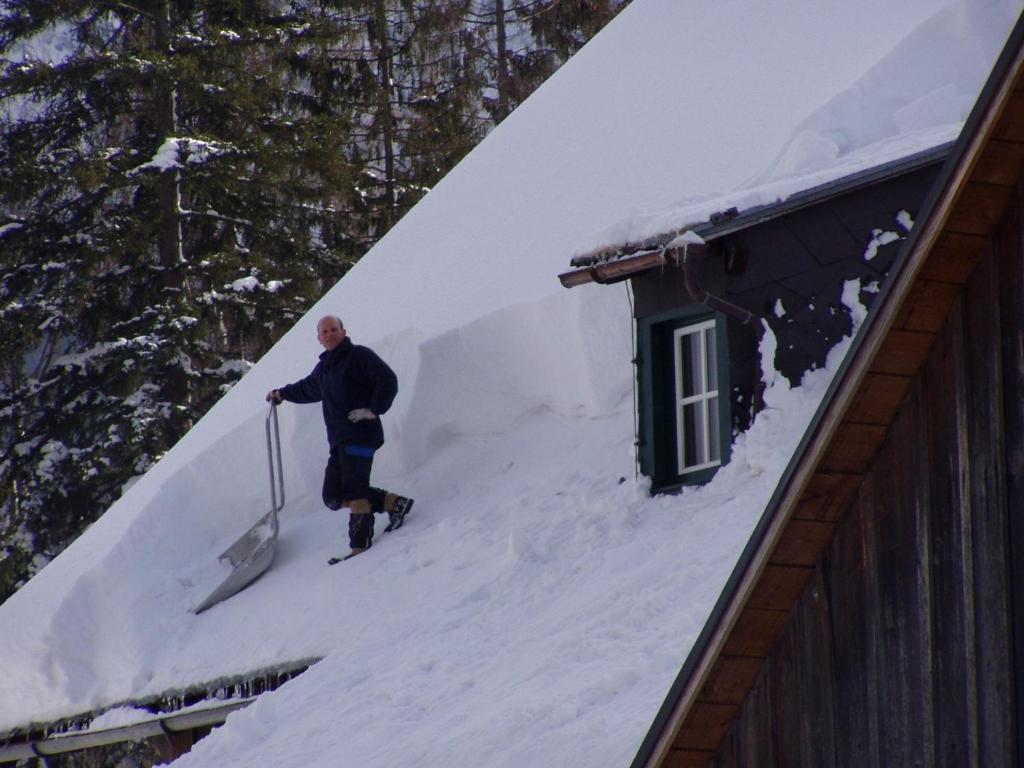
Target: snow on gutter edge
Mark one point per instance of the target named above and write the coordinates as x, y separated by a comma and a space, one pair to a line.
175, 723
207, 711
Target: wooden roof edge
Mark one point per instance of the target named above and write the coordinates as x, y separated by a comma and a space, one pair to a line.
845, 384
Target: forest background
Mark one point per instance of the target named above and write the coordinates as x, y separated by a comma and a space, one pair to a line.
181, 180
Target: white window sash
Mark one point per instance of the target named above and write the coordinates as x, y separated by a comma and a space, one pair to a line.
704, 398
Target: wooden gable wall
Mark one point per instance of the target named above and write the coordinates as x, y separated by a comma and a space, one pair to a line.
899, 651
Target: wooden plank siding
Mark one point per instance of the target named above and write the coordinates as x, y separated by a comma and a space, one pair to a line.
986, 485
900, 555
899, 649
1011, 293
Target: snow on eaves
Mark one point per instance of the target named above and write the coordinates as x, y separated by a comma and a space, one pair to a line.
745, 207
914, 102
643, 231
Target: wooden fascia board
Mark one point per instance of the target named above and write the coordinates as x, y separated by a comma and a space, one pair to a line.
838, 401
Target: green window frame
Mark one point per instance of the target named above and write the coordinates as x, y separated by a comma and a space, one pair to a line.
684, 412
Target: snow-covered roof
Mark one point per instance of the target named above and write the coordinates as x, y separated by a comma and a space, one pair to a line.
650, 252
528, 613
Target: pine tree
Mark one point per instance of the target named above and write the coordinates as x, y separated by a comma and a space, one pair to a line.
163, 203
441, 94
522, 42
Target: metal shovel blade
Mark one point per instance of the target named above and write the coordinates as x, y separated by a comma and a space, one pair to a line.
248, 557
253, 552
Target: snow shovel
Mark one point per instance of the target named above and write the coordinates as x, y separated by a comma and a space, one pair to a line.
252, 554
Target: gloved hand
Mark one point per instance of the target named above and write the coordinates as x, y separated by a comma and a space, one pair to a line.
274, 396
361, 414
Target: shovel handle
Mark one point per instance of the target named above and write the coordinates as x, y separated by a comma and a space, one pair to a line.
274, 450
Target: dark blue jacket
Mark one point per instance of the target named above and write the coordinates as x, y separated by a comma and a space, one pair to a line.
348, 377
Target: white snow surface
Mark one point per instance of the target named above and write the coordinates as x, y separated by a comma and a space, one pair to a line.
539, 603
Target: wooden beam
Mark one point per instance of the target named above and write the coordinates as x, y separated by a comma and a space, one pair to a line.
954, 257
1000, 163
879, 398
731, 678
779, 587
688, 758
979, 208
853, 447
706, 726
827, 495
756, 632
927, 306
802, 542
902, 352
1011, 127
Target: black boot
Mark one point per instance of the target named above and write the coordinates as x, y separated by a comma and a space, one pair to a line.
396, 515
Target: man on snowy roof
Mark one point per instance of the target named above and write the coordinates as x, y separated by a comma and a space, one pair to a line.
355, 387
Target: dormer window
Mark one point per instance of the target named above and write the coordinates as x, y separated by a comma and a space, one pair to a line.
684, 413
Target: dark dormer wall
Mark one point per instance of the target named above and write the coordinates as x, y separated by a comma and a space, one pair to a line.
790, 271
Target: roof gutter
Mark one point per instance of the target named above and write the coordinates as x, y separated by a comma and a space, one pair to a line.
693, 257
614, 271
167, 725
204, 708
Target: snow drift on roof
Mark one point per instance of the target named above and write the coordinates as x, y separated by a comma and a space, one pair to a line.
911, 100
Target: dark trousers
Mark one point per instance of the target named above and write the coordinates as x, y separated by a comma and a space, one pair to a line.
347, 484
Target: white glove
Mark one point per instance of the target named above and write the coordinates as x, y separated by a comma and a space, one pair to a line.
361, 414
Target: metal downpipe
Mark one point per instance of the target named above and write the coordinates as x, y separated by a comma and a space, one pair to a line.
693, 257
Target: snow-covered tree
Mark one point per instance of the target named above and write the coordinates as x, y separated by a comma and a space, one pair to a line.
520, 43
161, 205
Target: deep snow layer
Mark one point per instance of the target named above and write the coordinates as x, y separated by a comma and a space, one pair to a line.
543, 605
536, 607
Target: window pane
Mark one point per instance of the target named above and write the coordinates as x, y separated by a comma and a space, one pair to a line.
693, 435
709, 351
698, 432
714, 430
692, 365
